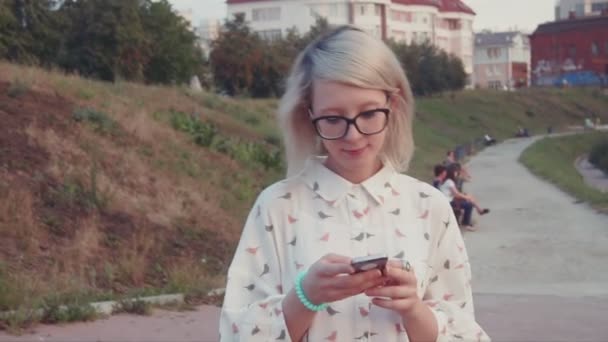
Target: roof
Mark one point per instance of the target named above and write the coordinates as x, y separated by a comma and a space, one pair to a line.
584, 23
442, 5
495, 38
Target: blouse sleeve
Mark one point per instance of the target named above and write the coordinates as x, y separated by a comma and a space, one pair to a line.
252, 309
449, 293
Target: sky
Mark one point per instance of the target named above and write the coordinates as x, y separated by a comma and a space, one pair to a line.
491, 14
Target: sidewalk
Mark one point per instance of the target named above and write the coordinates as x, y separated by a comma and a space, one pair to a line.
538, 259
163, 326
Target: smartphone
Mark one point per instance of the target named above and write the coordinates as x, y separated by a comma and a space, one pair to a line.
370, 262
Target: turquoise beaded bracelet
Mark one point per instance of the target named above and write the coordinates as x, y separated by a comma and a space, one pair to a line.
302, 297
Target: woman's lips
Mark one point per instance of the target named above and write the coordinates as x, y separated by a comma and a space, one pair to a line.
355, 152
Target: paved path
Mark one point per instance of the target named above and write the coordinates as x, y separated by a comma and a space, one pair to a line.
540, 267
162, 326
540, 261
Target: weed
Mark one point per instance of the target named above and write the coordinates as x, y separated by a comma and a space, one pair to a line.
18, 87
100, 121
133, 306
55, 312
85, 94
202, 133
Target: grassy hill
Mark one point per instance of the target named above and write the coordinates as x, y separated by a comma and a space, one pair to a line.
553, 159
109, 190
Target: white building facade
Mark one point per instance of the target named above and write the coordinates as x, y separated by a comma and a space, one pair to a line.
502, 60
207, 31
448, 24
564, 9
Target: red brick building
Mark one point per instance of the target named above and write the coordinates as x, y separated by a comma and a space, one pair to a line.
575, 46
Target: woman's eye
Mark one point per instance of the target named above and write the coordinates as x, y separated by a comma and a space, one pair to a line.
369, 114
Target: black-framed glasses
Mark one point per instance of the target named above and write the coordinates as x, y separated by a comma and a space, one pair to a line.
334, 127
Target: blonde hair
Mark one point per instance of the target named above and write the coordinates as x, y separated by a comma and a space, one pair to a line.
351, 56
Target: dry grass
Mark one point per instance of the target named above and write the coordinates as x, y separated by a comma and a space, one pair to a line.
101, 214
17, 218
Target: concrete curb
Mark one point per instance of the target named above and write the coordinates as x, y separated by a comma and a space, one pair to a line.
107, 307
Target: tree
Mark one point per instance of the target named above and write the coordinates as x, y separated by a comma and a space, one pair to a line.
105, 39
456, 75
235, 55
174, 54
320, 27
8, 31
429, 69
29, 31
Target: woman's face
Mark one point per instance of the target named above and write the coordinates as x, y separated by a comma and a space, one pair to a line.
354, 150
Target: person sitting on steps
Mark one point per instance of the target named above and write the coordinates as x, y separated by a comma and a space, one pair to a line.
459, 200
440, 173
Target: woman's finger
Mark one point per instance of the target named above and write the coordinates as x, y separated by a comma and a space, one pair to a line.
395, 292
396, 305
358, 280
328, 269
336, 258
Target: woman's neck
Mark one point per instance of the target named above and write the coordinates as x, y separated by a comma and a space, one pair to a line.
354, 176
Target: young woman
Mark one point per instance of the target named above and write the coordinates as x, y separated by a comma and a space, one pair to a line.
347, 117
460, 200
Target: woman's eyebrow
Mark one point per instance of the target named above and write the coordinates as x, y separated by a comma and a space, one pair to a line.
374, 104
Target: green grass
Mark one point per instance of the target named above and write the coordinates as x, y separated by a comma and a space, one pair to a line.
444, 122
553, 159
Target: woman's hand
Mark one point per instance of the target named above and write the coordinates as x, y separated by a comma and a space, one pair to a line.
332, 278
400, 291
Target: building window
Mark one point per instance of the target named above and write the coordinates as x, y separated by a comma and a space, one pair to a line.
493, 53
378, 10
495, 85
269, 35
401, 16
399, 35
266, 14
426, 37
362, 9
599, 6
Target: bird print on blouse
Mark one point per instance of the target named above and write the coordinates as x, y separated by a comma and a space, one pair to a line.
296, 221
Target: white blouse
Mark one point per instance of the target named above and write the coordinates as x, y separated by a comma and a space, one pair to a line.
298, 220
446, 189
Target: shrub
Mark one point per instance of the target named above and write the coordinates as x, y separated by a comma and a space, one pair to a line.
599, 156
17, 88
100, 121
203, 133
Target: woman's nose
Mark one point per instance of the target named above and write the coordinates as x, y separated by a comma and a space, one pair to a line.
352, 133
